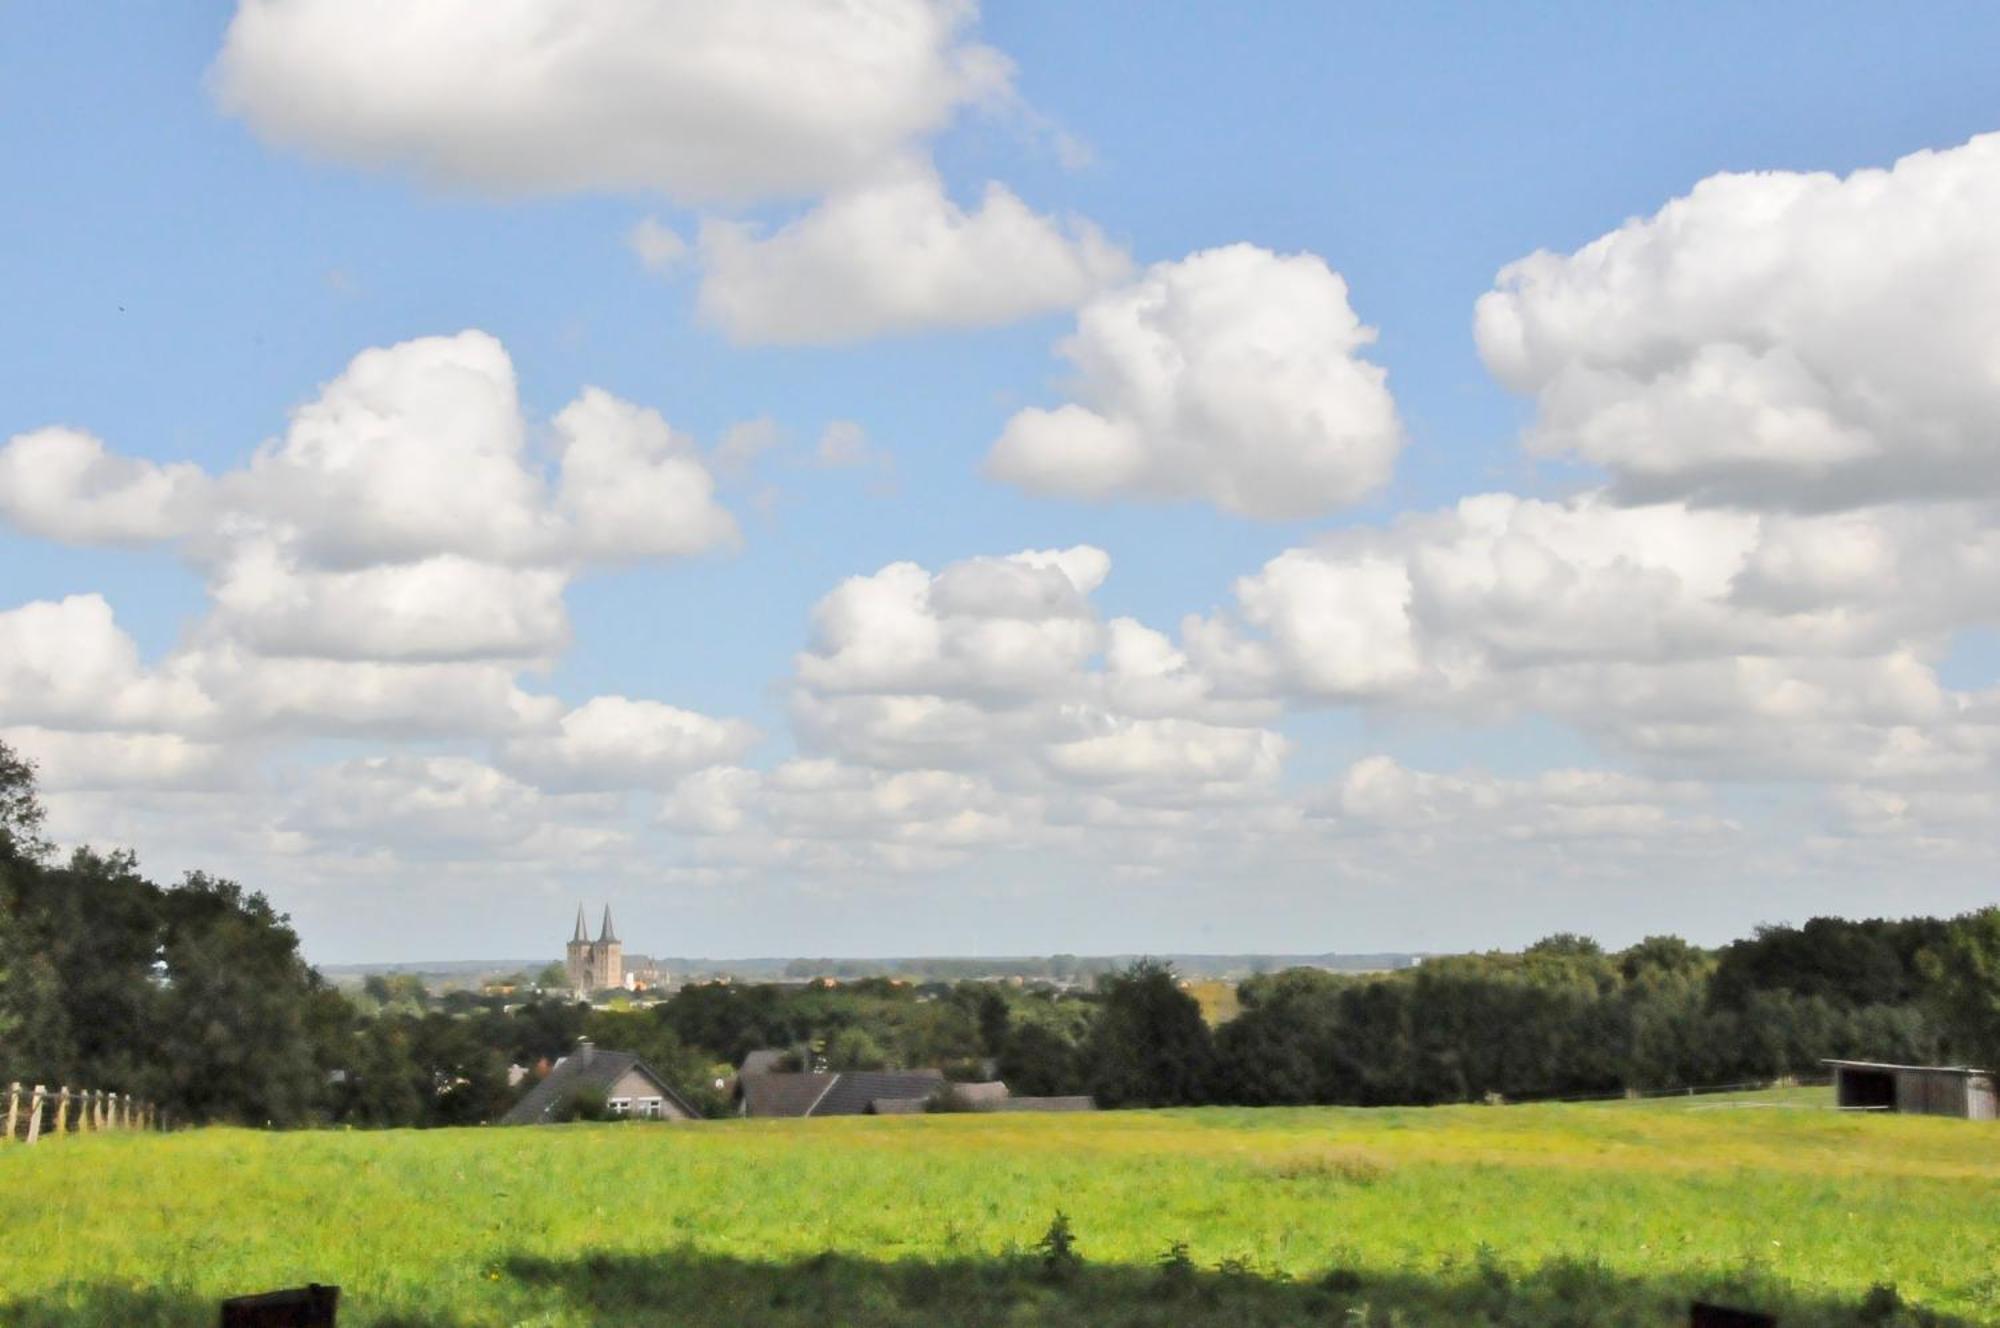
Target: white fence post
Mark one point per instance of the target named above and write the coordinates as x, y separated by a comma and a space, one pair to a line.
35, 1114
13, 1111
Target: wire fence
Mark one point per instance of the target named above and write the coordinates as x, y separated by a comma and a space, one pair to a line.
39, 1112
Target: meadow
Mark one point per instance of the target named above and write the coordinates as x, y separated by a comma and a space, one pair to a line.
1612, 1213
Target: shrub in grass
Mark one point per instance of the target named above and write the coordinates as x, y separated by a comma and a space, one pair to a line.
1176, 1270
1057, 1248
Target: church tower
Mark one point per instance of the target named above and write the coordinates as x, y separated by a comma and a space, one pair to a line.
577, 959
593, 966
610, 954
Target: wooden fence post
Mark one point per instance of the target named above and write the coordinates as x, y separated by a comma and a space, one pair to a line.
35, 1114
103, 1110
128, 1111
62, 1109
13, 1110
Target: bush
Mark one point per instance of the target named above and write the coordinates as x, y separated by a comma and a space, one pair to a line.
583, 1104
1057, 1247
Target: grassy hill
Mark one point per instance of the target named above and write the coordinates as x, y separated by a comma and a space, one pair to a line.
1584, 1214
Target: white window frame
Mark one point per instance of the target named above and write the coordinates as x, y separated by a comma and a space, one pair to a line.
620, 1106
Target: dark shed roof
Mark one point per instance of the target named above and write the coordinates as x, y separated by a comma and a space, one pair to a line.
783, 1094
853, 1090
587, 1071
847, 1093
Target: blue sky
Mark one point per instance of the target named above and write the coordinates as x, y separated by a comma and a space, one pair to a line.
184, 274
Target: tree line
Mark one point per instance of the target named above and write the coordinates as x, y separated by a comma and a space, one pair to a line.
196, 996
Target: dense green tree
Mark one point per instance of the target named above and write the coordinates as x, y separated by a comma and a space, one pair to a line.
233, 1034
1037, 1060
1963, 971
1149, 1046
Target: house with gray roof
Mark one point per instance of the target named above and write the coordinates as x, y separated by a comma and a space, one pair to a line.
628, 1086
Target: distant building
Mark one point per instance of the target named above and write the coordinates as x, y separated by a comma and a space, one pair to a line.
627, 1084
595, 965
643, 973
1923, 1090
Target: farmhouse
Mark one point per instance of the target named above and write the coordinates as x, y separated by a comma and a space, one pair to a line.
627, 1084
1925, 1090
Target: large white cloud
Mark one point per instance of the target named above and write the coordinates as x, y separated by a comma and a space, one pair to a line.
63, 484
1726, 643
389, 565
998, 674
618, 742
1231, 377
413, 451
898, 255
632, 487
443, 607
1774, 338
988, 626
67, 664
826, 816
1380, 795
703, 102
444, 806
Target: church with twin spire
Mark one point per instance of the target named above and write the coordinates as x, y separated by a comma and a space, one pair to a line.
597, 965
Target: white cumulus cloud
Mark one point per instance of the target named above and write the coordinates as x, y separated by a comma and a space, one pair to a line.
1774, 339
1232, 377
898, 255
701, 102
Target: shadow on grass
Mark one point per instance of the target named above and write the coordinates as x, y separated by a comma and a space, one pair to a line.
699, 1290
691, 1289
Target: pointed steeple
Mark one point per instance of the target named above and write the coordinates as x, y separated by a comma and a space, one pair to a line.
606, 934
582, 934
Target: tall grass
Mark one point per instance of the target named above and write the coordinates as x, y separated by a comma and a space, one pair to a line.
1614, 1213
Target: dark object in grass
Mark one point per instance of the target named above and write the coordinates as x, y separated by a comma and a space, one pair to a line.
1703, 1315
1177, 1273
302, 1307
1057, 1247
1882, 1303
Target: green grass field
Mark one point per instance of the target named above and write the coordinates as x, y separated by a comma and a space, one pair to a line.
1585, 1214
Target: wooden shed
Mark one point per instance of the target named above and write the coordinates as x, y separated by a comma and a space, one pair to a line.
1923, 1090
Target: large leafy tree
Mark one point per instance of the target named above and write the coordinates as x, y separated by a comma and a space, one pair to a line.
1149, 1046
1963, 970
236, 1014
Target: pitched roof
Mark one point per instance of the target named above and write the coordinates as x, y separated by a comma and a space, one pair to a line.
579, 934
588, 1071
783, 1094
607, 933
847, 1093
853, 1090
